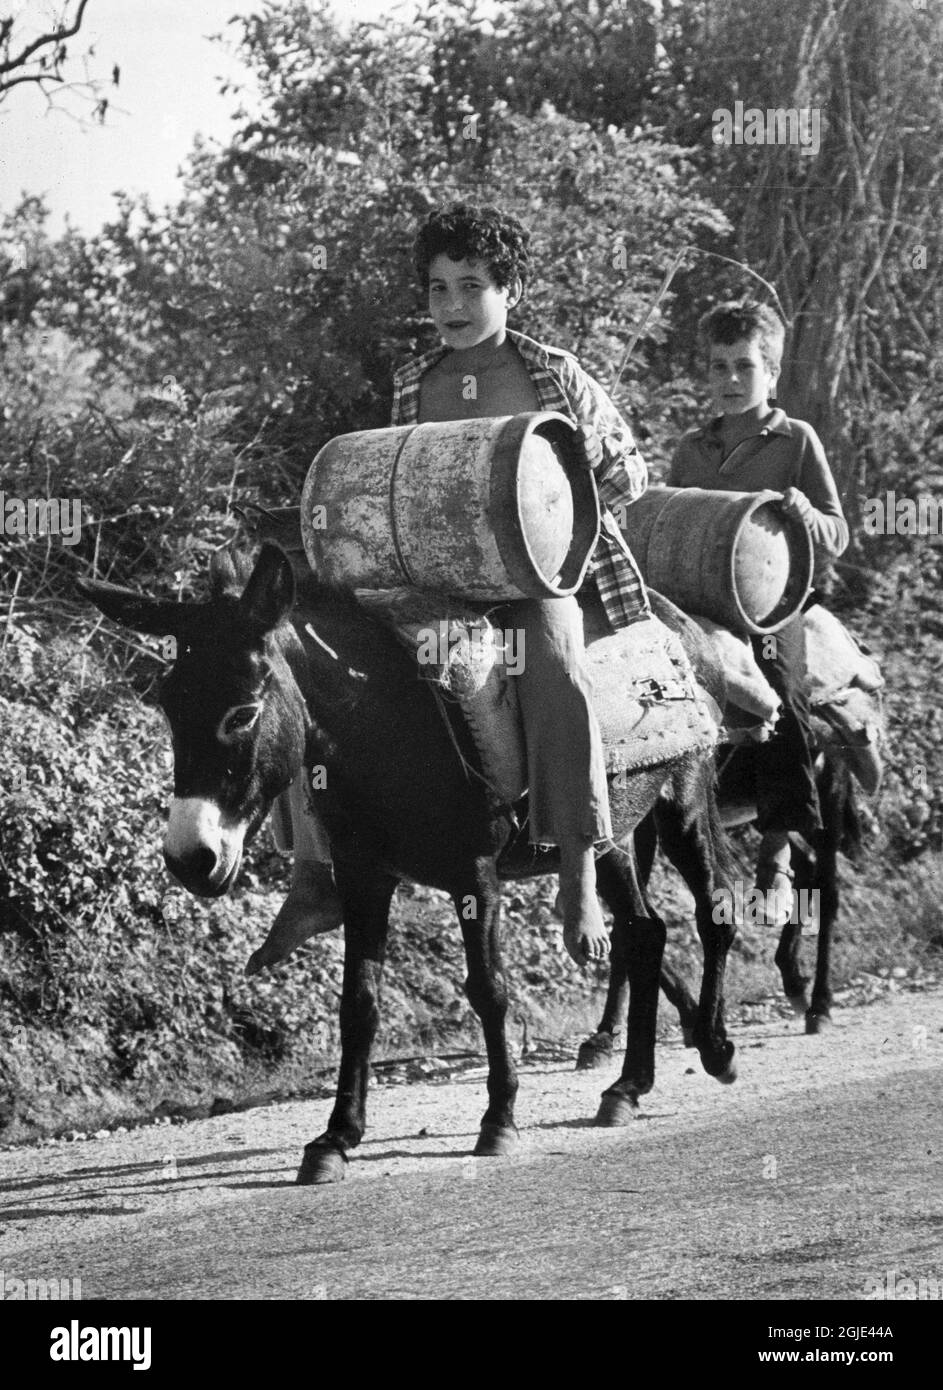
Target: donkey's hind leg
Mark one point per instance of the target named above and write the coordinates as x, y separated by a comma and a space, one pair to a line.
366, 893
596, 1050
643, 934
478, 904
695, 845
678, 993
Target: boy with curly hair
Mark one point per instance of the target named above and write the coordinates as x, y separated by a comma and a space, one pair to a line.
472, 262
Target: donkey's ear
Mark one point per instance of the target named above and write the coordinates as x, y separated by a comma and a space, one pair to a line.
159, 617
269, 596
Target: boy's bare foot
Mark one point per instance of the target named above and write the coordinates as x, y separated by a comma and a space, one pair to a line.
584, 932
774, 883
585, 938
774, 879
312, 906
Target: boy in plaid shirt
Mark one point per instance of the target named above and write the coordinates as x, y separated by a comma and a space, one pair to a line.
473, 263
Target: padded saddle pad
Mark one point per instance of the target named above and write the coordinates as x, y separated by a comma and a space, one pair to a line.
649, 708
844, 684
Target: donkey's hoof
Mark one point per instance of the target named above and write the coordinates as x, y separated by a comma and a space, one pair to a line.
799, 1003
615, 1111
496, 1141
687, 1037
817, 1023
722, 1065
321, 1163
594, 1052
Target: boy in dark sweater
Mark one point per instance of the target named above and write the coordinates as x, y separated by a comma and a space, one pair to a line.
750, 446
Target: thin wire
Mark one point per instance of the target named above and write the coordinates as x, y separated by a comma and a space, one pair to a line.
663, 290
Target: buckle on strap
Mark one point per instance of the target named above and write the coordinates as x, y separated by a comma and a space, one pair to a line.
655, 692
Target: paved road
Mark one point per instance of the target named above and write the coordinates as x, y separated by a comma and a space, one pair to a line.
820, 1169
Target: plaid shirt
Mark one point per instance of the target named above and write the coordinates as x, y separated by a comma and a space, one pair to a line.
562, 385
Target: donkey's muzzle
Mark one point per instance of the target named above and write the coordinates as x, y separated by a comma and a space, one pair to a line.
198, 873
202, 850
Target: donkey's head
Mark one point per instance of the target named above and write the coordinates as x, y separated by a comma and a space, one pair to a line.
237, 717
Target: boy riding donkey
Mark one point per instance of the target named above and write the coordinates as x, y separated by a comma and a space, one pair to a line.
473, 264
751, 446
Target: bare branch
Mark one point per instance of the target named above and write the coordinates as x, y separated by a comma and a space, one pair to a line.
57, 36
38, 77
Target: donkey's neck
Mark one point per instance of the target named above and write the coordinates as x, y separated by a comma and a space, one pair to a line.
339, 656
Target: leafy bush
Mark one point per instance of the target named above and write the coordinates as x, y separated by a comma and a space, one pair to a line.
96, 947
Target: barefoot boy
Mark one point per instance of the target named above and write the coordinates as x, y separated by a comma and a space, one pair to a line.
749, 446
472, 262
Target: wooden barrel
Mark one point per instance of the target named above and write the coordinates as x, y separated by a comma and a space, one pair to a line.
482, 509
735, 557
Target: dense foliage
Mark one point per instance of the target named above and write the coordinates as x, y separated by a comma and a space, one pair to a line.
185, 360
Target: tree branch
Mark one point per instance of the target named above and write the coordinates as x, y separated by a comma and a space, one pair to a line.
56, 37
37, 77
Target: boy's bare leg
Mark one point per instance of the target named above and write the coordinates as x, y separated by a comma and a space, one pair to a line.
786, 790
569, 797
584, 932
313, 904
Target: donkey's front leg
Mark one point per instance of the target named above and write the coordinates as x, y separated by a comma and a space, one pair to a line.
366, 894
478, 904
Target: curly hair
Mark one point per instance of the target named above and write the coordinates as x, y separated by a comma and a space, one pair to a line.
739, 318
467, 231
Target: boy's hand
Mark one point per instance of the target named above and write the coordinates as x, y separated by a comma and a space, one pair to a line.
795, 503
587, 447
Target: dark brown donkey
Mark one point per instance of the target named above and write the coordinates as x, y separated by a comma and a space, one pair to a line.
816, 869
252, 696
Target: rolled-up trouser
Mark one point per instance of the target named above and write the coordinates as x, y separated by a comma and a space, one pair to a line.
566, 767
786, 794
568, 795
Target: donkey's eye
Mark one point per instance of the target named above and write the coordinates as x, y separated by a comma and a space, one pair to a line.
238, 720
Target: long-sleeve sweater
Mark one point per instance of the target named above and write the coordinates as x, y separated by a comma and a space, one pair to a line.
783, 453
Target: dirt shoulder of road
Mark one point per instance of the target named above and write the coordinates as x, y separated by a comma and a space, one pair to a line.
107, 1187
